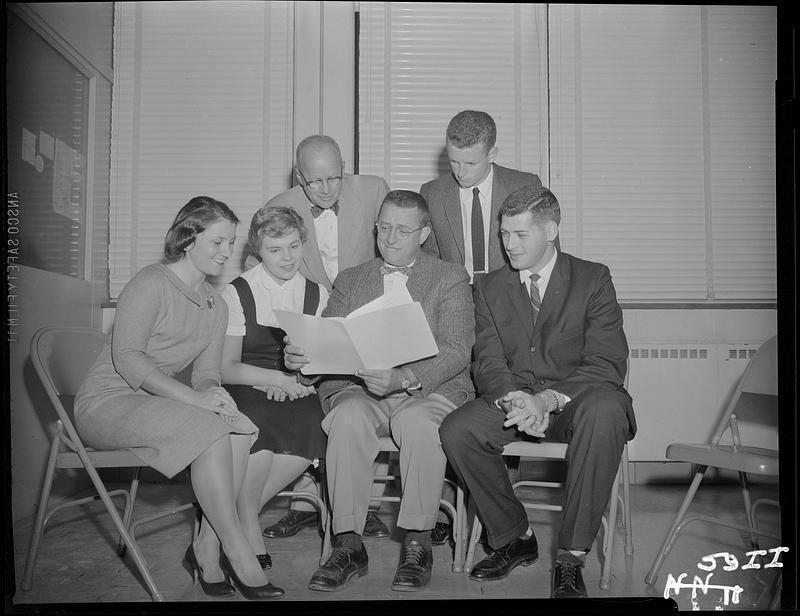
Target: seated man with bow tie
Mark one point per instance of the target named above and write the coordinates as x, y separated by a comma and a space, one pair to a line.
407, 402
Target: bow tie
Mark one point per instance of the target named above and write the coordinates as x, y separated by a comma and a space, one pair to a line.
317, 210
391, 269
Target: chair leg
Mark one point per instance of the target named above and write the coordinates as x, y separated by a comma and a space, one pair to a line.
652, 574
626, 505
128, 515
38, 529
133, 548
327, 518
748, 509
477, 527
459, 530
608, 540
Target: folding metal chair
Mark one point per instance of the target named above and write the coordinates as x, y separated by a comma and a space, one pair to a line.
62, 357
547, 450
756, 395
558, 451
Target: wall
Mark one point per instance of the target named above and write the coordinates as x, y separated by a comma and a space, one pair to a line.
83, 33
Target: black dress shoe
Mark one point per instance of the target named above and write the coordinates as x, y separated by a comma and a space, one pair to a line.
499, 563
254, 593
374, 527
212, 589
441, 533
567, 578
343, 565
291, 523
414, 569
265, 560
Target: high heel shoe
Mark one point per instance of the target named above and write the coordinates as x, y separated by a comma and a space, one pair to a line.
265, 560
256, 593
213, 589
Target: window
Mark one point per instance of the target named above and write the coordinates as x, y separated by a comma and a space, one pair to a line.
48, 140
202, 106
653, 125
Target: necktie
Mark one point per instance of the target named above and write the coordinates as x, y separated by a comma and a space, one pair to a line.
317, 210
536, 300
478, 265
391, 269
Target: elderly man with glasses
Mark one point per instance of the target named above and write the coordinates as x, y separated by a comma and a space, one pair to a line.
408, 402
338, 210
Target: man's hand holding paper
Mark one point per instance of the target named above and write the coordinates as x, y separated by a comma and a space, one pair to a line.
378, 338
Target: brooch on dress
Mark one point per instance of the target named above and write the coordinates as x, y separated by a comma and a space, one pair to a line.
210, 301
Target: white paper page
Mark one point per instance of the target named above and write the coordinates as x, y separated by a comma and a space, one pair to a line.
325, 342
391, 337
398, 297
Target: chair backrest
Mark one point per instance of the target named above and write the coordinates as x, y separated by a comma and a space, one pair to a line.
758, 381
62, 357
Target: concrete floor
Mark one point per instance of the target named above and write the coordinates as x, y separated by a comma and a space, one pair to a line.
77, 562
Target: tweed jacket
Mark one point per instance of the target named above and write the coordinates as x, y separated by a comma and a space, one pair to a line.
443, 290
447, 239
577, 343
359, 201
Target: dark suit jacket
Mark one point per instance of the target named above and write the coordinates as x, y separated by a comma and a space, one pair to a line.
444, 292
359, 201
447, 239
577, 344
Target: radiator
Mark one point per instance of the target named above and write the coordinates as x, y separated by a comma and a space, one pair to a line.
679, 392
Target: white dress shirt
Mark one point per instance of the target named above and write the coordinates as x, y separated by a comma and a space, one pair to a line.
327, 229
268, 296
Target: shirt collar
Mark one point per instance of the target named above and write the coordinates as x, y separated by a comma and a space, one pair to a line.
269, 283
544, 273
484, 187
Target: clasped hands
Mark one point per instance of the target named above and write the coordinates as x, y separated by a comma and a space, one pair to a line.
527, 412
378, 382
217, 400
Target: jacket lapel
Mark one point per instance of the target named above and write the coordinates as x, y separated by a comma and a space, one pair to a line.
518, 298
499, 194
418, 280
311, 257
452, 210
555, 295
347, 225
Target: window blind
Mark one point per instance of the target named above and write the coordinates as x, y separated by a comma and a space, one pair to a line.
662, 138
742, 70
653, 125
202, 105
421, 63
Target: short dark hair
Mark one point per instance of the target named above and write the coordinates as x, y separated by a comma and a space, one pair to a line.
538, 201
408, 199
192, 219
468, 128
274, 221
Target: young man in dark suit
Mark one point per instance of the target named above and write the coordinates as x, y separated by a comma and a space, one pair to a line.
465, 203
550, 358
407, 402
465, 206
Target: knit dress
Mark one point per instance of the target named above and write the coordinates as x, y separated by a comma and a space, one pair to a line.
160, 324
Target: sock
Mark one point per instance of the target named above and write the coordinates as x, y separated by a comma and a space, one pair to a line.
527, 534
423, 537
579, 554
349, 540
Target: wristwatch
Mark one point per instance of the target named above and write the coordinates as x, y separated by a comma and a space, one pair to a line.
406, 385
